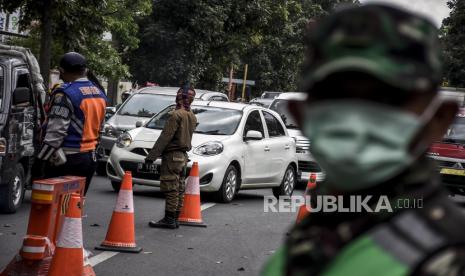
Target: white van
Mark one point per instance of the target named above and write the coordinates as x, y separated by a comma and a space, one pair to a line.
307, 163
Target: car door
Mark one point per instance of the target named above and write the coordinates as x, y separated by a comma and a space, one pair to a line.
254, 151
279, 147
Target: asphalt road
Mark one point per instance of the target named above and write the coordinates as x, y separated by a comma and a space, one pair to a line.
239, 238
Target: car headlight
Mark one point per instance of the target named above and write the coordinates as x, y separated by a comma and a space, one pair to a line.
109, 130
124, 140
209, 149
2, 146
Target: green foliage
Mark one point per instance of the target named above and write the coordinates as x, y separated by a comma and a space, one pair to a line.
453, 37
200, 39
79, 26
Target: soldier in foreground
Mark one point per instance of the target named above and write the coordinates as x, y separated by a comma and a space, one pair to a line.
372, 77
172, 146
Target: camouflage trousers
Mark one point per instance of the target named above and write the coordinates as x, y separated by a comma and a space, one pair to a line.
172, 179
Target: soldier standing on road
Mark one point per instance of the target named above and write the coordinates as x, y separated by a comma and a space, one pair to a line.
74, 119
373, 110
173, 145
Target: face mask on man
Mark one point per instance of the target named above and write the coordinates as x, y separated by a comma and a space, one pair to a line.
360, 144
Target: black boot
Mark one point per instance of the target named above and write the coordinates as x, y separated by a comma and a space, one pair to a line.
168, 222
176, 218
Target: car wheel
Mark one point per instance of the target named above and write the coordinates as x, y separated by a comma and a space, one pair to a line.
101, 169
116, 185
287, 185
229, 186
12, 194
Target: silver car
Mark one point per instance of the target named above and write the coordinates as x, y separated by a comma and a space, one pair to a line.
138, 109
237, 147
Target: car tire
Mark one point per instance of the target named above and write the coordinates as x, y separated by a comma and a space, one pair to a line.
116, 185
287, 184
12, 194
101, 169
228, 189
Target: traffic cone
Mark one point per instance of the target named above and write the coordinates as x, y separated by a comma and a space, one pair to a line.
191, 214
68, 258
121, 235
304, 209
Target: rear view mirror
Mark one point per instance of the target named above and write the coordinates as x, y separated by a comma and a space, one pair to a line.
253, 135
139, 124
22, 96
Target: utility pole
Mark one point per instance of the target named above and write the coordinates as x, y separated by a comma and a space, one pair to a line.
245, 80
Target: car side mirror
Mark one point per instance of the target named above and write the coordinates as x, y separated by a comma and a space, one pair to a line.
111, 110
22, 96
139, 123
253, 135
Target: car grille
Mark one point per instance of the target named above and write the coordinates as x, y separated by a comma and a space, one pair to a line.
141, 151
449, 164
132, 167
302, 144
309, 166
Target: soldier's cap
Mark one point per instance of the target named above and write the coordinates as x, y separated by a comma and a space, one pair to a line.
397, 47
73, 61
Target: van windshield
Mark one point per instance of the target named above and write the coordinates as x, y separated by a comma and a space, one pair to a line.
281, 107
456, 131
145, 105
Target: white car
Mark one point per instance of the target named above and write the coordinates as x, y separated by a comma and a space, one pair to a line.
237, 147
307, 164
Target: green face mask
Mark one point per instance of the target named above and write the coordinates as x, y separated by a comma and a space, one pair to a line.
361, 144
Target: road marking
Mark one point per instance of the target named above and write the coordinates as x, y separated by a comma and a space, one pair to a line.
206, 206
105, 255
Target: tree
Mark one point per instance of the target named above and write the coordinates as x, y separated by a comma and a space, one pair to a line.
453, 37
79, 25
200, 39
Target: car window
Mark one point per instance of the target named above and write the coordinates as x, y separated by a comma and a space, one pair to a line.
254, 122
281, 107
21, 78
218, 98
275, 129
145, 105
2, 83
211, 120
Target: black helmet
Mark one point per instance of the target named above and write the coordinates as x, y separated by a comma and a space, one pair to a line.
73, 62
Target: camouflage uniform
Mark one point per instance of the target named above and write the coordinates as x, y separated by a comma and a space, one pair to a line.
172, 145
399, 49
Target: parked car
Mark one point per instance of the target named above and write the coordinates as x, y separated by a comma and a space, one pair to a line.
307, 164
21, 106
237, 147
450, 155
266, 98
139, 108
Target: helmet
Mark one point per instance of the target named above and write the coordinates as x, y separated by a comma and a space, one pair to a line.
392, 45
73, 61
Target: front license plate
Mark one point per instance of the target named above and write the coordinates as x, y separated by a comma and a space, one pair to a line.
453, 172
147, 168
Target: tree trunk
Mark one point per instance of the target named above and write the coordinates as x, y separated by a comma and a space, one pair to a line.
112, 91
46, 41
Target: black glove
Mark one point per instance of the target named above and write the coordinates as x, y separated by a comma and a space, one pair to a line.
149, 161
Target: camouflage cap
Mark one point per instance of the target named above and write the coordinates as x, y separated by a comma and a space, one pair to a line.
395, 46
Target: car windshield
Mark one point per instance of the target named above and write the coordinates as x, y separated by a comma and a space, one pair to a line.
270, 95
211, 120
456, 131
145, 105
280, 107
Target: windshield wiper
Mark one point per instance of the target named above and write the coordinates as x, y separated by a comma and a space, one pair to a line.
209, 132
292, 126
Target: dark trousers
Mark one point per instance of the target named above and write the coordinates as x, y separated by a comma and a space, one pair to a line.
78, 164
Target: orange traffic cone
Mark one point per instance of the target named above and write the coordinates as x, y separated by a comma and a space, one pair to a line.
68, 258
121, 234
191, 214
304, 209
